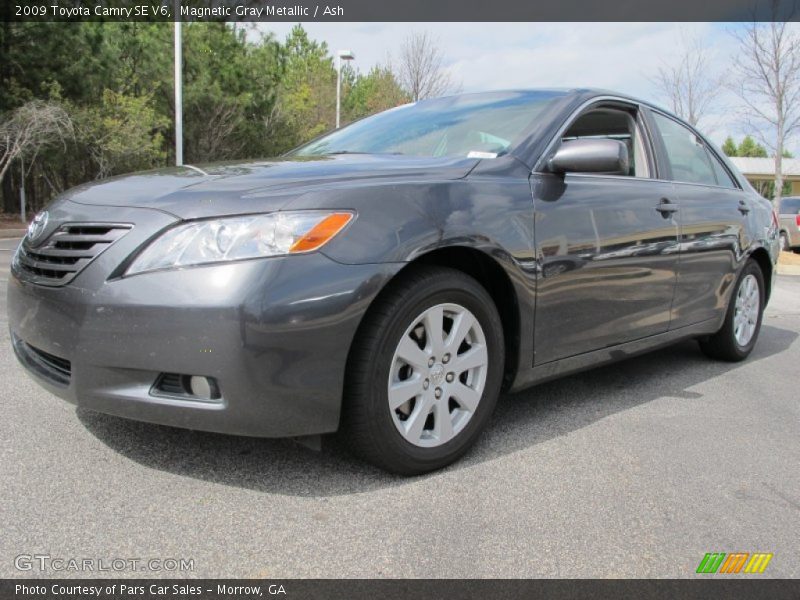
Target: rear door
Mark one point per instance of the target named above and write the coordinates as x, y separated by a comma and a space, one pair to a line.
713, 213
606, 245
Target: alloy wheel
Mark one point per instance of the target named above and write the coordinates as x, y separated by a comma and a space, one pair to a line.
746, 311
438, 374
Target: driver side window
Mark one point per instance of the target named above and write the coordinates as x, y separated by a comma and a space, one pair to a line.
613, 124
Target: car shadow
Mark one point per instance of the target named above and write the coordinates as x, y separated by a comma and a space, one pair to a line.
521, 420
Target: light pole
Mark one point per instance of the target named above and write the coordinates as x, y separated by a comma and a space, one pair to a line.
340, 56
178, 93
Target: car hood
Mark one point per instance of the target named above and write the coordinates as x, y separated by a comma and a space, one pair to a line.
251, 187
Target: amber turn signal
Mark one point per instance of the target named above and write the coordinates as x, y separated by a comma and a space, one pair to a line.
321, 232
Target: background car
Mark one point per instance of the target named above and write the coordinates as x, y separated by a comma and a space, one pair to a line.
789, 217
389, 279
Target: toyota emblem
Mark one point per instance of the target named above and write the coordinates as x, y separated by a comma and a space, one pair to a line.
37, 226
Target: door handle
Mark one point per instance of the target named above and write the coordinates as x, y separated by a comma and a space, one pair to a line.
743, 208
666, 207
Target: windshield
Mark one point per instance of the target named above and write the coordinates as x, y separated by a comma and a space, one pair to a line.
487, 124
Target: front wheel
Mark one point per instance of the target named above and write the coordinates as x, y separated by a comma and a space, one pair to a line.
739, 333
425, 372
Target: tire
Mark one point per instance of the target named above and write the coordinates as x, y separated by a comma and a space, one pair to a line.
395, 334
785, 242
726, 344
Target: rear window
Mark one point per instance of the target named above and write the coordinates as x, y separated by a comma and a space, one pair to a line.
790, 206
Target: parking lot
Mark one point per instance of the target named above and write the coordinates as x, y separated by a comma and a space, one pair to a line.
633, 470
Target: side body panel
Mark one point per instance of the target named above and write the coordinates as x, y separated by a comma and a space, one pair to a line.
607, 262
714, 238
720, 228
756, 233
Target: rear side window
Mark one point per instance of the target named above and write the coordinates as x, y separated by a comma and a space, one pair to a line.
723, 177
690, 160
790, 206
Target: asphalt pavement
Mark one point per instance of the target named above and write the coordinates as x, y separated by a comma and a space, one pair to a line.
633, 470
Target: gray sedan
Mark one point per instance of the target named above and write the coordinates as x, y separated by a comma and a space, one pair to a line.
389, 279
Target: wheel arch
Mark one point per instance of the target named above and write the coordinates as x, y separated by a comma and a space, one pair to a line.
494, 278
762, 259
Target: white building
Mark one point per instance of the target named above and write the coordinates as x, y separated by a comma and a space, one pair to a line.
760, 171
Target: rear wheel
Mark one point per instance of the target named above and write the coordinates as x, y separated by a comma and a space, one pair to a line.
424, 373
739, 333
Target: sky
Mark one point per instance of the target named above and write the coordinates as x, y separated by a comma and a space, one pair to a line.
487, 56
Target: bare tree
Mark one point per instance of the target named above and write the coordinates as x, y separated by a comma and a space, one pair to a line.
420, 71
687, 83
30, 128
767, 81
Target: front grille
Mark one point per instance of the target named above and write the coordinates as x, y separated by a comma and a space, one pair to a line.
67, 251
49, 366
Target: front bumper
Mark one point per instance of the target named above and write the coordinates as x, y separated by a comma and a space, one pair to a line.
274, 333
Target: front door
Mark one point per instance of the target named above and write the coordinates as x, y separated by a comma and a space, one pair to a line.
607, 247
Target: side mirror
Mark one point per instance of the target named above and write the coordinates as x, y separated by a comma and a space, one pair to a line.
591, 156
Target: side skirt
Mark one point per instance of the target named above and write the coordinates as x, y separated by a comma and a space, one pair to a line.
596, 358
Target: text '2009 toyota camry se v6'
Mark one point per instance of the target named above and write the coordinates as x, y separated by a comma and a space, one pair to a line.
389, 279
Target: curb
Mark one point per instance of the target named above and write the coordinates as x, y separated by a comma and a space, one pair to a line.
788, 269
12, 233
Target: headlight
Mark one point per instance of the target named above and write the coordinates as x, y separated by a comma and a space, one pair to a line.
237, 238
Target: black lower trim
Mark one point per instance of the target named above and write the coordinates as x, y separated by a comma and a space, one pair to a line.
53, 368
588, 360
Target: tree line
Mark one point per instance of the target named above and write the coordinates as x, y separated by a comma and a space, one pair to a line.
84, 101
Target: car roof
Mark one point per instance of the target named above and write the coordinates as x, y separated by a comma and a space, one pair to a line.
571, 91
576, 94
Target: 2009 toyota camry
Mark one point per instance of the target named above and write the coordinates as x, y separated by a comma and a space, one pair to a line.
389, 279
